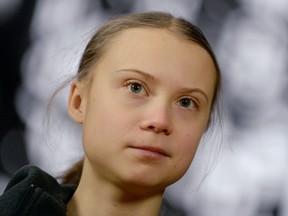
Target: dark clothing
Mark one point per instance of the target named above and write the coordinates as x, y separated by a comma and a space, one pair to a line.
33, 192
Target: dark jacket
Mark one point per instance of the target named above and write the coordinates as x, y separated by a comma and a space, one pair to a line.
33, 192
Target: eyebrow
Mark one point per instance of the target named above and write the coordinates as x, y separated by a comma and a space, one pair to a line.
142, 73
190, 90
151, 77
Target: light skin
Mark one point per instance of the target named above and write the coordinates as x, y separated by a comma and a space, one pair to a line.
144, 108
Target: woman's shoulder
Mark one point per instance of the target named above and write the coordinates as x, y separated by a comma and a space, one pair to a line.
167, 209
31, 191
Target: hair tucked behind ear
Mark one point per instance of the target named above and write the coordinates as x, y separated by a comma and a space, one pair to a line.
98, 45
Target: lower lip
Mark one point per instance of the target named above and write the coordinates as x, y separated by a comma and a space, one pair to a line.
148, 154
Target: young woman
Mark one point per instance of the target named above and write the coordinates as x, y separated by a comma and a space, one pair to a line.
145, 92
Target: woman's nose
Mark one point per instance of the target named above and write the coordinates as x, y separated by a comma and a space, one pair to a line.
157, 120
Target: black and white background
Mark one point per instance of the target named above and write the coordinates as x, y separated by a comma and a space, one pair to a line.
40, 45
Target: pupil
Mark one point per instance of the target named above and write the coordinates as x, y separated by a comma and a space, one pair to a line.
136, 88
185, 102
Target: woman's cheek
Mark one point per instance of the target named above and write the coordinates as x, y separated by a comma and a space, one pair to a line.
189, 145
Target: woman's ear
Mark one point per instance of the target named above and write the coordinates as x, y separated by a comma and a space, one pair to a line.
76, 102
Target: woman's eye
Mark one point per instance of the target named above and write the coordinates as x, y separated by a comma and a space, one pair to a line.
136, 88
187, 103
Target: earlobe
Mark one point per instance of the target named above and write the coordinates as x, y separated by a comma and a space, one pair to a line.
75, 103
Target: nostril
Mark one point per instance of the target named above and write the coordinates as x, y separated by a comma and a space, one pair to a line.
157, 125
159, 130
151, 127
166, 132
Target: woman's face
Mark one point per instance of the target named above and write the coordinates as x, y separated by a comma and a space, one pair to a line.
146, 108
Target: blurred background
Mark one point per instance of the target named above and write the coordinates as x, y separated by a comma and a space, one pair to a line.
40, 46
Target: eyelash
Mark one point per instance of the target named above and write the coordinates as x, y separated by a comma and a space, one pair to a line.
129, 83
193, 101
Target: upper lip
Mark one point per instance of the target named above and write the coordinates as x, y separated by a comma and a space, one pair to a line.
152, 149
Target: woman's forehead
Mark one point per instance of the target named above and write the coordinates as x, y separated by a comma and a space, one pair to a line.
142, 33
162, 54
138, 40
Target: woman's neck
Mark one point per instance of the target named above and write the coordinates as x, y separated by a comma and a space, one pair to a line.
95, 197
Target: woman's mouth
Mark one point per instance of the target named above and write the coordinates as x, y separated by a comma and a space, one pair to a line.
150, 152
